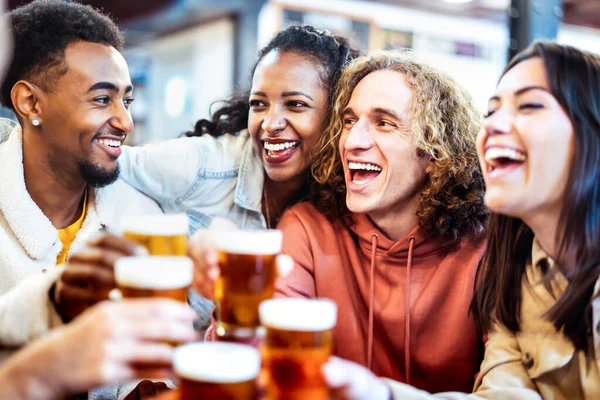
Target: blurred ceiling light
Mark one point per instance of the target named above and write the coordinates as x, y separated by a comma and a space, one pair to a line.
495, 4
457, 1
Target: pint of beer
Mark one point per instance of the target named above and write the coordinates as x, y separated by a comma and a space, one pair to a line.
214, 370
247, 277
162, 235
154, 276
299, 340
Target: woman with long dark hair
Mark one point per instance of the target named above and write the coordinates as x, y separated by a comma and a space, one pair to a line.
536, 294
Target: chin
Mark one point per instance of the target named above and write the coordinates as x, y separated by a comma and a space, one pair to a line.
357, 205
282, 173
499, 204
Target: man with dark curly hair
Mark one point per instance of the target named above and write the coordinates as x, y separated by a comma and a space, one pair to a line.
70, 88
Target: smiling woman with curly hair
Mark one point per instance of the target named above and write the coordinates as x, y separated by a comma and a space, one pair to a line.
394, 232
444, 124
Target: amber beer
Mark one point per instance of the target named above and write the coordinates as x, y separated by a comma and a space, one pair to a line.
247, 277
298, 341
214, 370
154, 276
162, 235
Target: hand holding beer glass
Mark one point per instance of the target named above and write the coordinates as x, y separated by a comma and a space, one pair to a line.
162, 235
214, 370
298, 342
154, 276
247, 272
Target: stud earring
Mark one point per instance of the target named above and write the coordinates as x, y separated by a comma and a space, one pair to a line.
35, 122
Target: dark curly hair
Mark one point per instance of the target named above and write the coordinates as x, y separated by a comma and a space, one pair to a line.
445, 124
42, 30
329, 51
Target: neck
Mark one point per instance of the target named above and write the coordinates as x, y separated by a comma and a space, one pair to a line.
278, 196
398, 223
56, 191
544, 226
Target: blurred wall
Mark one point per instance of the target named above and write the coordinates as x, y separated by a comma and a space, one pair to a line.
177, 77
473, 51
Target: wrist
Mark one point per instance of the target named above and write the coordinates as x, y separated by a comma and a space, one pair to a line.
19, 382
26, 374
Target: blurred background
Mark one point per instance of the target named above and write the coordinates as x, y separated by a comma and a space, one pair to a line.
184, 55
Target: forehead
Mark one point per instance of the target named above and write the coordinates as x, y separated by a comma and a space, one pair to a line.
530, 72
286, 70
89, 63
382, 89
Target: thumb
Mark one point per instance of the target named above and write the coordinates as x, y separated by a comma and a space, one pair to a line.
335, 373
285, 265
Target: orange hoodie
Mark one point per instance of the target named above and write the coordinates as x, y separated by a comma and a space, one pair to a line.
402, 306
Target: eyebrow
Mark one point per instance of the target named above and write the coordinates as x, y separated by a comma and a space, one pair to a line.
528, 88
108, 86
388, 112
296, 93
284, 94
377, 111
522, 91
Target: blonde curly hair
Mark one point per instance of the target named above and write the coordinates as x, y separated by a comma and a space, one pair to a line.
445, 124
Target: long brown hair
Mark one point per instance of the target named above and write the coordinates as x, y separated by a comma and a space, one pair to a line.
445, 124
574, 79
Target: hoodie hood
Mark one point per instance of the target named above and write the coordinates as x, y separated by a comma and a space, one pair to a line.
425, 243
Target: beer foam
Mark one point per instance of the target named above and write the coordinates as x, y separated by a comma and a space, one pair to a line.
159, 224
298, 314
216, 362
154, 272
259, 242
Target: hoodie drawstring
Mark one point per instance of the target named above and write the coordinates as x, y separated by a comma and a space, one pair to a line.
411, 243
374, 239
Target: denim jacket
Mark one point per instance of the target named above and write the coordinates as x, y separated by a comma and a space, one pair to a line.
202, 176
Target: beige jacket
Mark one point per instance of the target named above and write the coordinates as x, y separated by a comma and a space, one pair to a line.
537, 362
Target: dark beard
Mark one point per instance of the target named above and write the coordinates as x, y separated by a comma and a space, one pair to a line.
96, 176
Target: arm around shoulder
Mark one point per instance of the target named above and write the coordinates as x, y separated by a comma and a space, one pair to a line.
163, 171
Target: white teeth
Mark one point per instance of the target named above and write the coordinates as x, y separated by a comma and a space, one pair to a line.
494, 153
109, 142
368, 167
279, 146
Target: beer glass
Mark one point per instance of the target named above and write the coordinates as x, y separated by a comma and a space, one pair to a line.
154, 276
298, 341
215, 370
246, 261
162, 235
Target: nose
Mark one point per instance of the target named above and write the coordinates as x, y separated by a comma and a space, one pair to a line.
499, 123
274, 121
121, 119
360, 137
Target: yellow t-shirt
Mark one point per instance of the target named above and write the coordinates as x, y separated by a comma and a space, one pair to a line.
67, 235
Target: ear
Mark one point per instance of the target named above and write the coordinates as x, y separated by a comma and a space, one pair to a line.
25, 99
428, 164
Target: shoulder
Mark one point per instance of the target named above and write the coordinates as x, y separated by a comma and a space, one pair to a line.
475, 247
307, 216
